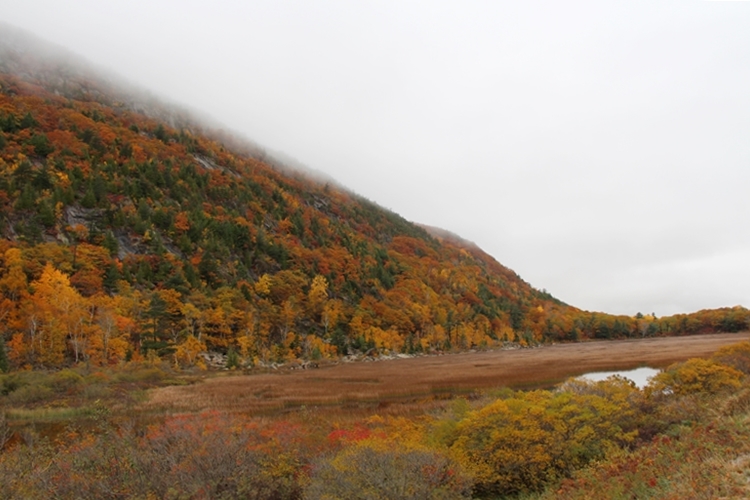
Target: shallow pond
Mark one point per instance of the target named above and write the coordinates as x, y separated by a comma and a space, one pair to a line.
640, 376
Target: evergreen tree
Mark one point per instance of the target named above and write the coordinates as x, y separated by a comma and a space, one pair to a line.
156, 314
27, 200
42, 180
111, 244
99, 187
9, 124
28, 121
41, 145
46, 214
233, 359
110, 278
89, 199
144, 211
161, 134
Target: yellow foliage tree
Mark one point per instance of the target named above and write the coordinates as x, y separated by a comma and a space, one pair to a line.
108, 342
187, 352
56, 314
389, 339
263, 285
332, 312
317, 295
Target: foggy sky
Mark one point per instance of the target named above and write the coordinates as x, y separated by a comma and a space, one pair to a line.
599, 149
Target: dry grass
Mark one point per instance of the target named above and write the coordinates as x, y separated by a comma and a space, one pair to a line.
404, 386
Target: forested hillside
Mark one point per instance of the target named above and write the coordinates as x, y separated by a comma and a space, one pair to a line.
127, 232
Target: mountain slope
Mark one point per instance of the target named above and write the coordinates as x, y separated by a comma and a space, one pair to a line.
129, 228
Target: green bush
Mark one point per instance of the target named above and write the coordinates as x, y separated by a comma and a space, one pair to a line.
151, 374
66, 381
29, 394
9, 383
96, 391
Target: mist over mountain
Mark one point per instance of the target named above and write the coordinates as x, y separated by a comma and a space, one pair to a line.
67, 74
130, 226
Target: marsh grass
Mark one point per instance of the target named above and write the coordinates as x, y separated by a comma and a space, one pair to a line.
412, 386
77, 409
51, 402
47, 414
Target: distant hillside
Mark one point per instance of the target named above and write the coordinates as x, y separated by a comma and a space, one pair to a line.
130, 228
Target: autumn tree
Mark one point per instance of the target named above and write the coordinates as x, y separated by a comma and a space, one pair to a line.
56, 316
109, 342
318, 295
187, 351
13, 291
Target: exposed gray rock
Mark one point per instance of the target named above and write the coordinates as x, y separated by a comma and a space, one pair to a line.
77, 215
209, 164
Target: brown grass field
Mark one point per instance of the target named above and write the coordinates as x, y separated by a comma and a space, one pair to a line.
397, 385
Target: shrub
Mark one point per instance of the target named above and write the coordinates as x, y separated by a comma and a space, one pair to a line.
96, 391
141, 374
5, 432
737, 356
696, 462
369, 470
66, 380
521, 443
206, 456
737, 404
29, 394
695, 376
9, 383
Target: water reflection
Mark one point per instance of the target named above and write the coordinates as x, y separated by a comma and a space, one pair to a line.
640, 376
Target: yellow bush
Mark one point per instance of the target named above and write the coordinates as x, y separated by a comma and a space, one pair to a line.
522, 442
737, 356
696, 376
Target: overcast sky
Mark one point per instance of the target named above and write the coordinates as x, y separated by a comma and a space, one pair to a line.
599, 149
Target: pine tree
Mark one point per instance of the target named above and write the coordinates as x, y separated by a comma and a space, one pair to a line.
111, 244
233, 359
89, 199
46, 214
155, 313
41, 145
